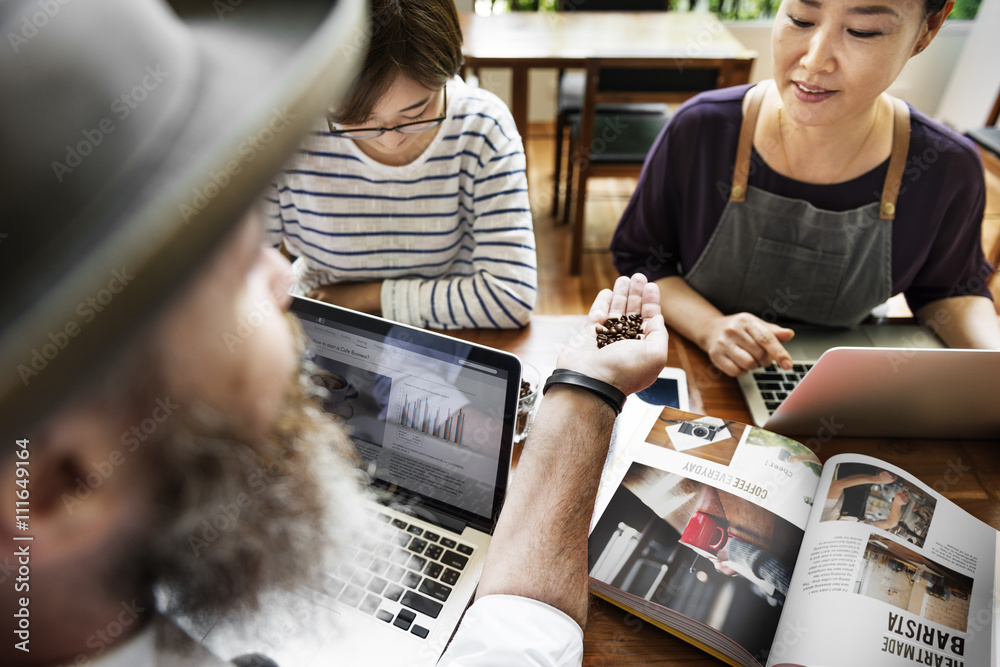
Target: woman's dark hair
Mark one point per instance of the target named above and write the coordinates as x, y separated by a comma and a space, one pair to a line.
420, 39
933, 6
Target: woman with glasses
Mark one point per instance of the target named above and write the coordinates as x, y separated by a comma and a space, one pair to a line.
813, 197
411, 201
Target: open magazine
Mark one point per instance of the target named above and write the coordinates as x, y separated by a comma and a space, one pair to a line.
741, 542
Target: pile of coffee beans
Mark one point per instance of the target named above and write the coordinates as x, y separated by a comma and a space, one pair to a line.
615, 329
525, 389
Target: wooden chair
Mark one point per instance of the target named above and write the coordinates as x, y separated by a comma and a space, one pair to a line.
988, 139
616, 147
573, 84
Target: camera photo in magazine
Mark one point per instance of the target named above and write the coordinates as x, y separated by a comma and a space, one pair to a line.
708, 438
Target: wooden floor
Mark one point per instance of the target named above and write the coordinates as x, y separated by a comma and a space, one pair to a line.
562, 294
558, 292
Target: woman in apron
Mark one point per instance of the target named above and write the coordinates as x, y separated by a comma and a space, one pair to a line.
813, 197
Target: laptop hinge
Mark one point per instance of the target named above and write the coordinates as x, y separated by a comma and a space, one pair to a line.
437, 517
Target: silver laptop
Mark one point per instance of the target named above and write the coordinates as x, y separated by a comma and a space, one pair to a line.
432, 418
877, 380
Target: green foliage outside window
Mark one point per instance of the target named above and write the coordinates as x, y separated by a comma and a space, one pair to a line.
753, 9
739, 10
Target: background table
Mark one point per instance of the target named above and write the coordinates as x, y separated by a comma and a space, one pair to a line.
966, 472
523, 40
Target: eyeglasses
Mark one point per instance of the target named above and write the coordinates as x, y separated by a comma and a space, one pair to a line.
415, 127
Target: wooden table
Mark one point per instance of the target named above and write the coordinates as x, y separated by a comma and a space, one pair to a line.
523, 40
967, 472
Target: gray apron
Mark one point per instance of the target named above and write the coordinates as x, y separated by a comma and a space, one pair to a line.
785, 259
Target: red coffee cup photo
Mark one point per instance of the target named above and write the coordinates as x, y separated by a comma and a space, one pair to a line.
705, 533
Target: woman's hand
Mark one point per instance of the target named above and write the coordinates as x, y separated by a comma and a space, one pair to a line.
362, 297
741, 342
630, 365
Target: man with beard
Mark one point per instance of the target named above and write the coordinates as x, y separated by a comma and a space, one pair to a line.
134, 145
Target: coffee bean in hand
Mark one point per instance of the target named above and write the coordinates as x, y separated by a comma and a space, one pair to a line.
615, 329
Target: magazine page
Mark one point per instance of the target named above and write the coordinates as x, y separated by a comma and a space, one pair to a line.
697, 527
890, 573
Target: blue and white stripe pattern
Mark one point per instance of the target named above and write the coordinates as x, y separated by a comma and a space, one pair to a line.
450, 234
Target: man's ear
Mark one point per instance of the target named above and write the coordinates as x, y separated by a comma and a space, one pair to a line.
79, 482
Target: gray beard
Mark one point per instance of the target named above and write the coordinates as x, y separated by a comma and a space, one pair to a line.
242, 522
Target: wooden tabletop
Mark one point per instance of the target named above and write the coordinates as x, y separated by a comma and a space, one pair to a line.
566, 39
966, 472
523, 40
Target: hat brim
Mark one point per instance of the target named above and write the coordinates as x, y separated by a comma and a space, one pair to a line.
264, 78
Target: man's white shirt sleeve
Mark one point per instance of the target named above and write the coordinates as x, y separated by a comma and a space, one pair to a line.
510, 631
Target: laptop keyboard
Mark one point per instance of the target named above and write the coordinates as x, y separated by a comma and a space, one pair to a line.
776, 383
400, 573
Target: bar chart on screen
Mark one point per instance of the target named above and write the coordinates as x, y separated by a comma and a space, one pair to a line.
418, 413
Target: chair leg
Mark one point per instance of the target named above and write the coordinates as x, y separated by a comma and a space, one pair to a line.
570, 172
560, 130
579, 208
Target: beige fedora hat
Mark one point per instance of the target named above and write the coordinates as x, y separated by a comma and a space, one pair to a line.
134, 134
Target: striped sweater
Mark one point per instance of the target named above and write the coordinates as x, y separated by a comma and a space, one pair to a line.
450, 234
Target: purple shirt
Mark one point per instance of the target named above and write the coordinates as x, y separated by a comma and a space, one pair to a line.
684, 186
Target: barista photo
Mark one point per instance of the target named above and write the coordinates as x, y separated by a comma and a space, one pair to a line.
879, 498
905, 579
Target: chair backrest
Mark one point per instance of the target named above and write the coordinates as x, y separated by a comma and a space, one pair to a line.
614, 5
667, 80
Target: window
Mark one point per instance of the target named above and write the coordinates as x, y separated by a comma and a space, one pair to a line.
729, 10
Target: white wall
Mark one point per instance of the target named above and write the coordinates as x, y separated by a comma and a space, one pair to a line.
975, 83
923, 82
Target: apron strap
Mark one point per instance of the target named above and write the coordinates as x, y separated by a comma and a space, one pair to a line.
893, 176
900, 150
741, 170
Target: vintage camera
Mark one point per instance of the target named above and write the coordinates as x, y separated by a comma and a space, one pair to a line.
698, 430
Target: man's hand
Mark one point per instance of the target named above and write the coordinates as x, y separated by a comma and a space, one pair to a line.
630, 365
900, 499
884, 477
739, 343
539, 547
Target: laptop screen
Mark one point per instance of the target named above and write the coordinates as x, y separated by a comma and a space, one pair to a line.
431, 416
